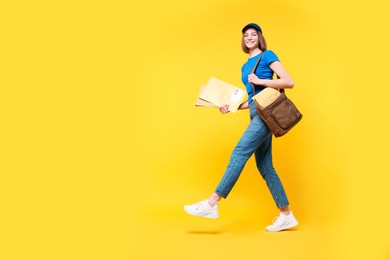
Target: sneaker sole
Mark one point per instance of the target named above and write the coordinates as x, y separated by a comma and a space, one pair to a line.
203, 216
291, 225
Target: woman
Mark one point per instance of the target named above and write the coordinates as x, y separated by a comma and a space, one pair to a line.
257, 138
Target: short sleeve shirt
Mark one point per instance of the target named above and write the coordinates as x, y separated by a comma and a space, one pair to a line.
263, 71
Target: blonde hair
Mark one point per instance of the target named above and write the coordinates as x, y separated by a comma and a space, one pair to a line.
262, 42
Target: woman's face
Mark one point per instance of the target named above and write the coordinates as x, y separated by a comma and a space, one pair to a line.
251, 39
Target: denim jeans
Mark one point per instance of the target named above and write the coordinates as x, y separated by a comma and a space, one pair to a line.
256, 139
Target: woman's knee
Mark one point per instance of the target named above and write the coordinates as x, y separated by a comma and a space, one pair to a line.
266, 169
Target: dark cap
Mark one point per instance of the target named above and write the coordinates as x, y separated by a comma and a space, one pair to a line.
252, 25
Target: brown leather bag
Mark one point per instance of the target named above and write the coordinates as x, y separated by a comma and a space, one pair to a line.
281, 115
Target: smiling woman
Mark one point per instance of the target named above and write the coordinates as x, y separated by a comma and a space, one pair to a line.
253, 34
257, 139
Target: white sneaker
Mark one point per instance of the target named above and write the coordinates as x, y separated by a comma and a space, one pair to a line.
283, 222
202, 209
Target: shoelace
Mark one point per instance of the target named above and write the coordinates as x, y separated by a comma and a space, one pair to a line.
197, 205
277, 221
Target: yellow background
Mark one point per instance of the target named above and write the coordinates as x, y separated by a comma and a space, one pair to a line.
101, 144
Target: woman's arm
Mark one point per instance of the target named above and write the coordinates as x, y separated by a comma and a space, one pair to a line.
284, 80
225, 109
244, 105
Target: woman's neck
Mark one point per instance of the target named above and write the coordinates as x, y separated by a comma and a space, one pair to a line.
254, 52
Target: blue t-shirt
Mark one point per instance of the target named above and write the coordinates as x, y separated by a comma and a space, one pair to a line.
263, 71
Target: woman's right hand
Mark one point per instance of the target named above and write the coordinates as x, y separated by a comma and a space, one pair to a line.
224, 109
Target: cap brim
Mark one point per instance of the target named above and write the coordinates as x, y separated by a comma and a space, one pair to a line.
257, 28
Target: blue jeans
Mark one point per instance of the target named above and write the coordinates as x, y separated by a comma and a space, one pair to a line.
256, 139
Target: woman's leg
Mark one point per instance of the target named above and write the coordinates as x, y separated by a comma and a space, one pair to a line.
263, 156
255, 134
214, 198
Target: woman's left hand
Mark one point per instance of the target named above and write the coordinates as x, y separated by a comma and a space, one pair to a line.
252, 78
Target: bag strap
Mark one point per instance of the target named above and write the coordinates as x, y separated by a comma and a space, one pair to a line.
254, 69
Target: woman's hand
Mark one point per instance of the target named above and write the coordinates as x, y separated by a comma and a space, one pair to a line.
224, 109
252, 78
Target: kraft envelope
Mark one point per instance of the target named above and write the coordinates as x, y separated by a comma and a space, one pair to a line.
221, 93
266, 97
201, 102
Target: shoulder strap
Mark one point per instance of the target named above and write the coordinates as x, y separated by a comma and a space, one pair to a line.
254, 69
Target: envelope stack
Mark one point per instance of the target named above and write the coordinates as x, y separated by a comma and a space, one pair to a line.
217, 93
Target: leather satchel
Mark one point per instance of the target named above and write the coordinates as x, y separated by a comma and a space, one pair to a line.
278, 112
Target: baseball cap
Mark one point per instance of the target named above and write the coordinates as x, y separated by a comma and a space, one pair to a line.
252, 25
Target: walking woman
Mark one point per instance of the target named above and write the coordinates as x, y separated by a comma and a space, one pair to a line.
257, 139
